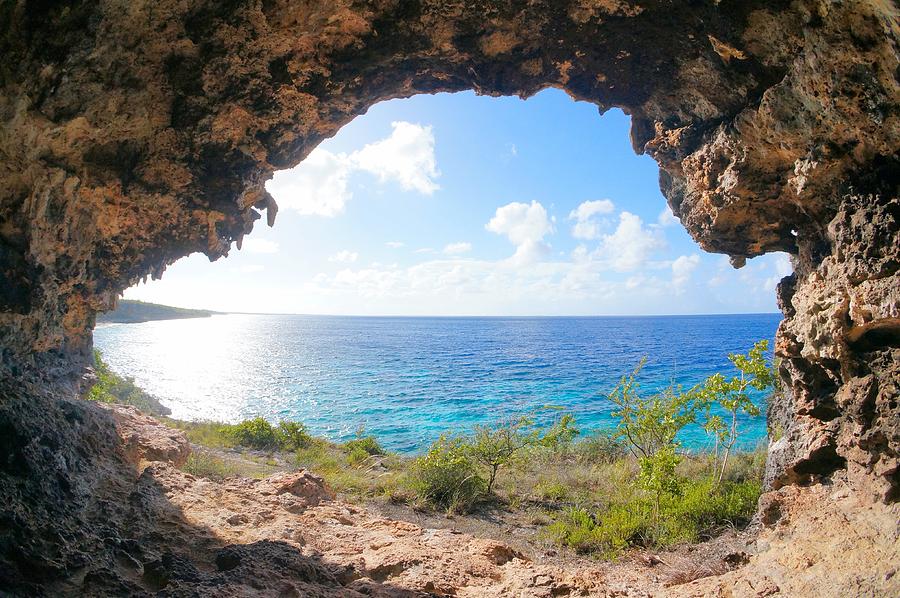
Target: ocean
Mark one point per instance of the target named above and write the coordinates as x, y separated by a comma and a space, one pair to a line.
407, 380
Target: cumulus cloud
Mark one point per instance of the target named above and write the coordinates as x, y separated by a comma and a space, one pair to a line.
407, 156
782, 267
525, 225
682, 269
457, 248
319, 185
628, 248
344, 256
251, 245
666, 217
586, 225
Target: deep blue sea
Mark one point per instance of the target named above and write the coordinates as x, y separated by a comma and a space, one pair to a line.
406, 380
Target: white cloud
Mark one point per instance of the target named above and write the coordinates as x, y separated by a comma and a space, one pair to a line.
586, 227
525, 225
424, 250
249, 268
395, 244
666, 217
457, 248
407, 156
521, 222
251, 245
782, 267
628, 248
682, 269
345, 257
318, 186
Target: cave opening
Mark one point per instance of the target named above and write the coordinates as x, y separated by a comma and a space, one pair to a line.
144, 132
531, 225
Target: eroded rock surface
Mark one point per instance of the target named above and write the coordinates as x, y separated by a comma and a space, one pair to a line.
134, 133
145, 439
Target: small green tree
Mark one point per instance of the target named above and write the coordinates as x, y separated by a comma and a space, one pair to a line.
732, 396
496, 446
446, 476
650, 428
292, 435
561, 433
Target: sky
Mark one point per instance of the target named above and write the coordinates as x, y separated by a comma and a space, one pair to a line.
456, 204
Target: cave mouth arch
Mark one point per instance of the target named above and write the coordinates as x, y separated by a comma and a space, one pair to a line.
629, 259
126, 151
137, 133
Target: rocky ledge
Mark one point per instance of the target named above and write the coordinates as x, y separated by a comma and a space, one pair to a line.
133, 134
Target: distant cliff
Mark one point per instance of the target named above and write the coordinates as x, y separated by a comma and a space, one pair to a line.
132, 312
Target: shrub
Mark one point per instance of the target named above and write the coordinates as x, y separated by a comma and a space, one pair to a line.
496, 446
600, 447
255, 433
446, 476
364, 444
731, 396
560, 434
552, 491
292, 436
112, 388
697, 511
204, 465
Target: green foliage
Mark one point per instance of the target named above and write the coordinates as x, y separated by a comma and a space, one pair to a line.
204, 465
650, 426
112, 388
600, 447
447, 475
552, 491
254, 433
292, 436
731, 395
364, 444
362, 448
698, 510
496, 446
653, 423
560, 434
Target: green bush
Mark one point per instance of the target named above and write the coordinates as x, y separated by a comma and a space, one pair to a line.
204, 465
365, 444
292, 436
446, 476
699, 510
112, 388
254, 433
600, 447
555, 491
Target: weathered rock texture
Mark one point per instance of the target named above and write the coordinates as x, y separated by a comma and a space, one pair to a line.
134, 133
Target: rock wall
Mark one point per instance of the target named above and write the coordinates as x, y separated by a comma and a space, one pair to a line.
135, 133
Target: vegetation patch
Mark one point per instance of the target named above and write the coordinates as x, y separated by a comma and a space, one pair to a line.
112, 388
602, 494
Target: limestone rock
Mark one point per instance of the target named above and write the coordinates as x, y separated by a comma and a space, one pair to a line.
135, 133
145, 439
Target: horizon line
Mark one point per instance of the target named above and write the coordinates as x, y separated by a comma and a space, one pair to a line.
264, 313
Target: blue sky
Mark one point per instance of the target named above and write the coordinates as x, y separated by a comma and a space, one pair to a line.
456, 204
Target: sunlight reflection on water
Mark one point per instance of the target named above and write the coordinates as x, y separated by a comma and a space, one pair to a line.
409, 379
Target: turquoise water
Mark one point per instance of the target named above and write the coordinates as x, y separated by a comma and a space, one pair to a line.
409, 379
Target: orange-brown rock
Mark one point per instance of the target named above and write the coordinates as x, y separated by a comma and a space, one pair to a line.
145, 439
135, 133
